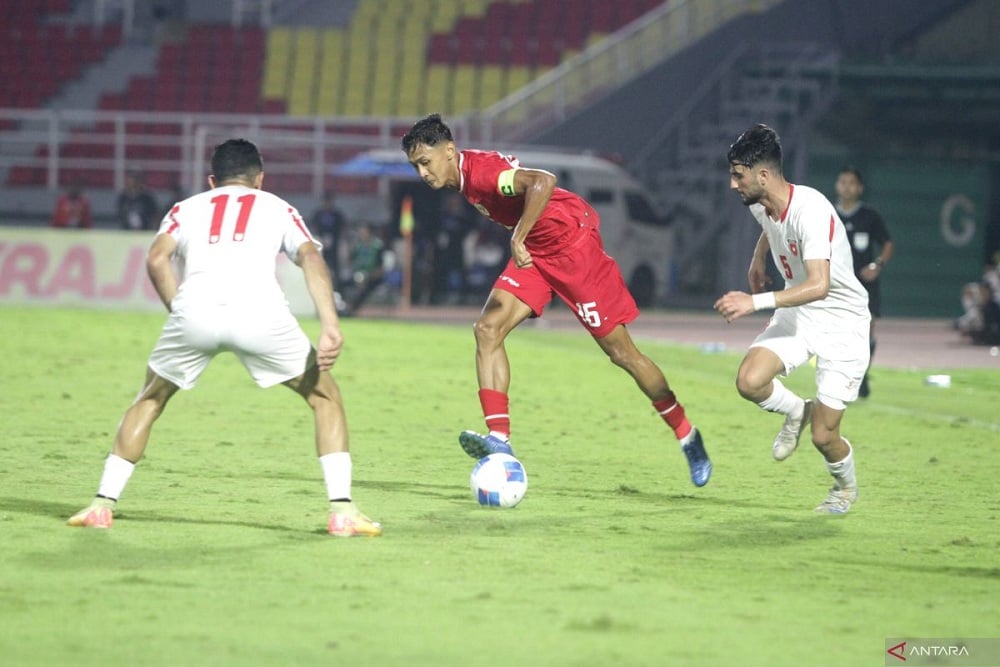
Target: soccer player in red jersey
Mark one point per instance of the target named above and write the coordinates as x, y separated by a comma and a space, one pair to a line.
556, 248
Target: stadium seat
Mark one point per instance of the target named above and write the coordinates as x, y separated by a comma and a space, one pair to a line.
392, 53
302, 93
463, 89
279, 63
396, 57
330, 89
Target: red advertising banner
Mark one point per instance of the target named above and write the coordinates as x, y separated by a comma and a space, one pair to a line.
96, 268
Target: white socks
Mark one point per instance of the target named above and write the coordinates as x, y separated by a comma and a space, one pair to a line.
783, 401
116, 474
843, 470
337, 474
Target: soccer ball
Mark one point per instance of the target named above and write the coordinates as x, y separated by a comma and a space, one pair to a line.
498, 480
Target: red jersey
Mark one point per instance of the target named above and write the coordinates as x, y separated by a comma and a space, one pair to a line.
560, 222
72, 211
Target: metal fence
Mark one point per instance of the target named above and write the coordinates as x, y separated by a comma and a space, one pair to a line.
96, 149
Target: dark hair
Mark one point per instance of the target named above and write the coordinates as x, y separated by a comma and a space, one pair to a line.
756, 145
430, 131
851, 169
235, 158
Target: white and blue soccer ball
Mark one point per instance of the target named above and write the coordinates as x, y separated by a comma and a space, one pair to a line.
498, 480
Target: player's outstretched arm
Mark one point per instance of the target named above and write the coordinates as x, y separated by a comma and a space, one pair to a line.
320, 288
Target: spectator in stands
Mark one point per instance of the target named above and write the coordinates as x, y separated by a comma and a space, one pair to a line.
137, 207
73, 210
422, 283
174, 195
449, 260
487, 251
368, 265
871, 247
328, 223
981, 303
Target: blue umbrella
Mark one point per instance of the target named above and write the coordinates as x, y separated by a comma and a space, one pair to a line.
377, 163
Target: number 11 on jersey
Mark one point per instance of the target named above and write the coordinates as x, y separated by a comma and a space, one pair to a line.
219, 213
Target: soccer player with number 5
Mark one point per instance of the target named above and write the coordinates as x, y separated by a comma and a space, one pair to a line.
556, 249
227, 240
821, 312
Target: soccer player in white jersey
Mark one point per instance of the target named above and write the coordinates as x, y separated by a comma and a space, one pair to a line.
227, 240
822, 312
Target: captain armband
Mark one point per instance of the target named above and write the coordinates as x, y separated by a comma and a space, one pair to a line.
505, 184
763, 301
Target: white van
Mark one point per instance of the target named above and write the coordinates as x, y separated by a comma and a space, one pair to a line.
634, 232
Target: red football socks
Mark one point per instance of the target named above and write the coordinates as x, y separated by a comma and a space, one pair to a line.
496, 411
672, 412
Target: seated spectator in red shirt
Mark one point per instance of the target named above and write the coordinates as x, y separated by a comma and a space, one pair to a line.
73, 210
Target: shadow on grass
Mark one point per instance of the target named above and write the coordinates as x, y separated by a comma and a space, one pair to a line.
973, 571
445, 491
769, 531
63, 511
665, 500
157, 517
38, 507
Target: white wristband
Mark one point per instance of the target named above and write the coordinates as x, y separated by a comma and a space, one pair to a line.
763, 300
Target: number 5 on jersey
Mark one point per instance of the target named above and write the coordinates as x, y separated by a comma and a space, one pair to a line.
786, 267
588, 313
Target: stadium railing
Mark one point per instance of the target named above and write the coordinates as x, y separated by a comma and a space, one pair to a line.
171, 147
608, 64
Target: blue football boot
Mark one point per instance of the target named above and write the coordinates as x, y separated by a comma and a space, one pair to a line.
701, 467
477, 446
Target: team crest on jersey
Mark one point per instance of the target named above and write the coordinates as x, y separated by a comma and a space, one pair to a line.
793, 246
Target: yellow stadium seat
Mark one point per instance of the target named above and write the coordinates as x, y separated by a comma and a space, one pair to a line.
330, 78
437, 92
412, 70
517, 78
463, 89
358, 68
473, 7
491, 85
444, 16
278, 62
385, 78
301, 97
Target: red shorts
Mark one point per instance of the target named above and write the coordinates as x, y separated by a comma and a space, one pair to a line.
585, 277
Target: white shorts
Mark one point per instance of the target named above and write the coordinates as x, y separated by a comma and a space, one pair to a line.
841, 356
271, 345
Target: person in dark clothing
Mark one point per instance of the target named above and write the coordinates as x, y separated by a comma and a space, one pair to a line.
137, 207
871, 246
368, 265
449, 251
328, 223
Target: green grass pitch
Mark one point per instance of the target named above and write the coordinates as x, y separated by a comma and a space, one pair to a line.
219, 557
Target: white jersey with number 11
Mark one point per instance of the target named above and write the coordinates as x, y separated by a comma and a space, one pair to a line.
228, 240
